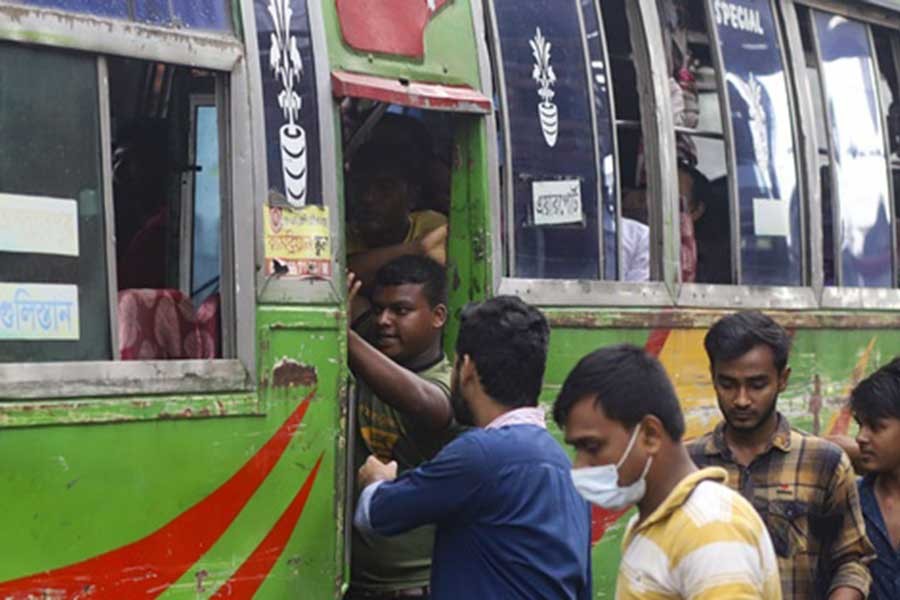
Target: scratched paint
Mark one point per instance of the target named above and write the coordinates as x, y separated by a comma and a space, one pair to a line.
289, 373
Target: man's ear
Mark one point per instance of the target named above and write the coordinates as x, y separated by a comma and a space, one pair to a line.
652, 434
783, 379
468, 373
439, 316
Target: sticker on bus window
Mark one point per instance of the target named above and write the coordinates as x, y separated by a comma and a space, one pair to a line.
771, 218
556, 202
39, 311
297, 242
38, 225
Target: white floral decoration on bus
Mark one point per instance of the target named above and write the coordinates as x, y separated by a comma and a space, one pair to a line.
285, 61
546, 78
758, 122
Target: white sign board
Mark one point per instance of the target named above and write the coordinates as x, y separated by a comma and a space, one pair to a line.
771, 217
556, 202
38, 311
38, 225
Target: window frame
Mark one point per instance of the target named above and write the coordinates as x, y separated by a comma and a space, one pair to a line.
661, 156
837, 297
644, 25
270, 289
189, 193
224, 54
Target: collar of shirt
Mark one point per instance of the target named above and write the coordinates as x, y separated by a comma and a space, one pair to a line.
780, 440
872, 512
681, 493
521, 416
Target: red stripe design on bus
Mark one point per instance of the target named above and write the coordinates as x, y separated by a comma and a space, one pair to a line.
147, 567
251, 574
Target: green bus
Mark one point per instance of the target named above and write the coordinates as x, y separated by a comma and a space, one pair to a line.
174, 396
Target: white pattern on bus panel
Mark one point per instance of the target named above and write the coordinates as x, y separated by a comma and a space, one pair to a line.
545, 77
287, 66
757, 121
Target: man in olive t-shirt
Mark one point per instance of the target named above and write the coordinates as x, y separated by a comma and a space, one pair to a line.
403, 412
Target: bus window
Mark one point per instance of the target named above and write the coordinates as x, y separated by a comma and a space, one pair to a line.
887, 46
558, 174
635, 224
54, 302
168, 210
704, 210
211, 15
857, 208
742, 59
202, 215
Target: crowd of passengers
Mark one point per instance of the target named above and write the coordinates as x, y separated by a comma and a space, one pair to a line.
461, 492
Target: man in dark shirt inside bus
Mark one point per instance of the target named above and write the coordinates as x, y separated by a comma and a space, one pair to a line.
510, 524
802, 486
876, 406
403, 413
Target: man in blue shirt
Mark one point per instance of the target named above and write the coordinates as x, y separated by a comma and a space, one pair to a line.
876, 406
510, 523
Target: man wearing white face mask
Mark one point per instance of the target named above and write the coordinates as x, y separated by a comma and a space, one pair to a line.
693, 537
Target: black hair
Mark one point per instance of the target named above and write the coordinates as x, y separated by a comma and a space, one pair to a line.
416, 269
507, 340
374, 160
737, 334
627, 383
878, 396
702, 188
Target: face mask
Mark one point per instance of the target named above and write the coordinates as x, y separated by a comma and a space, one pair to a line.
600, 485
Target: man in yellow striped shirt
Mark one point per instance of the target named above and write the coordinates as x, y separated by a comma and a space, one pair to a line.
693, 537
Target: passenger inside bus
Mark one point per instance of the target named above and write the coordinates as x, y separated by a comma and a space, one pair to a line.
382, 221
397, 187
141, 206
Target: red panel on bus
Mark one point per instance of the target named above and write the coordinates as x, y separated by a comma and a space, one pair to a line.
387, 26
427, 96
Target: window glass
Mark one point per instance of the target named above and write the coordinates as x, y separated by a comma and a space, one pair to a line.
887, 44
207, 206
53, 274
635, 217
213, 15
600, 80
768, 195
702, 173
555, 210
861, 210
195, 14
101, 8
166, 177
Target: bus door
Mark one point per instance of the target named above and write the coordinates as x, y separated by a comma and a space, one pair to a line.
408, 85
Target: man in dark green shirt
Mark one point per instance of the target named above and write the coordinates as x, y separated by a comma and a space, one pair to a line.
403, 413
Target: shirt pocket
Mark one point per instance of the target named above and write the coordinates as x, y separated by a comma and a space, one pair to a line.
788, 524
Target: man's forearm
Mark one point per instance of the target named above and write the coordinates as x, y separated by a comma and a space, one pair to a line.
397, 386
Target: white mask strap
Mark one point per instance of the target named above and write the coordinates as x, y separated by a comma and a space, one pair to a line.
630, 446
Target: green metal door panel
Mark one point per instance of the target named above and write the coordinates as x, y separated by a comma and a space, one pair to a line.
469, 243
263, 515
450, 50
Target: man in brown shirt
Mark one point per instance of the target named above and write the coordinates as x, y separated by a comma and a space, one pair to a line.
802, 486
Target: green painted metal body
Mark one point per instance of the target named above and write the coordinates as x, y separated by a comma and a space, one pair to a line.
83, 477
